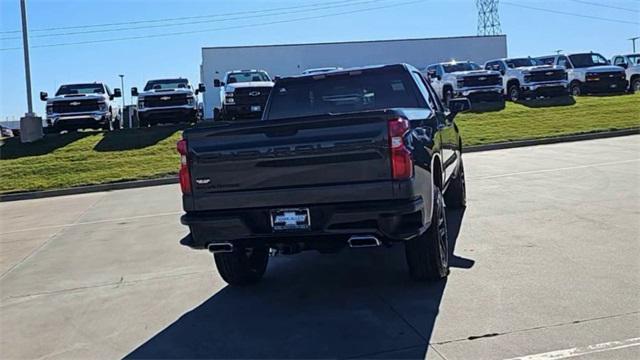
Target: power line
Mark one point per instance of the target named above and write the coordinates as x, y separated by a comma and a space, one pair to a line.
606, 6
571, 14
220, 29
176, 18
85, 32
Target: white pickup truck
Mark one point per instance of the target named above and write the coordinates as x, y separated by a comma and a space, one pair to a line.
243, 94
465, 79
168, 101
631, 65
524, 78
83, 106
589, 73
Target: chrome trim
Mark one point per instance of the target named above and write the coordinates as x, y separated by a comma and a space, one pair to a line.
217, 248
184, 107
360, 241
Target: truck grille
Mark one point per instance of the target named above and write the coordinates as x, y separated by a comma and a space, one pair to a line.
548, 75
251, 96
73, 106
482, 80
165, 100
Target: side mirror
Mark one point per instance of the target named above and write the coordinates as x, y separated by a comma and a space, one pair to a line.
459, 105
217, 83
201, 88
44, 96
624, 65
609, 62
117, 93
134, 91
502, 71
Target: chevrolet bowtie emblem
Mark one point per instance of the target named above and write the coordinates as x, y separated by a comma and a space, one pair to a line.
165, 98
74, 103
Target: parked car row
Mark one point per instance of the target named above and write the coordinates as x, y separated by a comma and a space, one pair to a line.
546, 76
93, 105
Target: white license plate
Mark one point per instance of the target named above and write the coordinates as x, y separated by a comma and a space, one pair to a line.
256, 108
290, 219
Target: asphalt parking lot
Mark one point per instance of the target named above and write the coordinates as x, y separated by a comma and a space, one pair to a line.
546, 262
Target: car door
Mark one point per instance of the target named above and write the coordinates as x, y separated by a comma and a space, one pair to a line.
446, 135
436, 82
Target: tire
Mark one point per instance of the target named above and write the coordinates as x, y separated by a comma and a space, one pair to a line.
242, 266
635, 85
575, 89
428, 254
447, 96
456, 195
514, 92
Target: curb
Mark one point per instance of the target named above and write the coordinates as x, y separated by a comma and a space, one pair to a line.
174, 179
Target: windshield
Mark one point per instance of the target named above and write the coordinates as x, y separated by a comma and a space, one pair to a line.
518, 63
341, 93
587, 60
80, 89
634, 59
166, 84
454, 67
247, 76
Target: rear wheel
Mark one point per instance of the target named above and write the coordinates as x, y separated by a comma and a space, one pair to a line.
428, 254
456, 195
242, 266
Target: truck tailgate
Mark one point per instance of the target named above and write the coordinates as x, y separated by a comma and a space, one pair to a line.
293, 157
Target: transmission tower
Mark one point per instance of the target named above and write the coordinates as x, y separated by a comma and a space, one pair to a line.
488, 19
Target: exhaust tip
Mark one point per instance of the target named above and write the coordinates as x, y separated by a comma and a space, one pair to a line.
220, 247
360, 241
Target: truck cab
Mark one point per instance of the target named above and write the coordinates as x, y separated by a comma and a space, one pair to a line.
526, 78
83, 106
631, 65
168, 101
588, 73
243, 94
465, 79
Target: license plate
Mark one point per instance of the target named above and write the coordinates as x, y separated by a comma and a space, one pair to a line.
256, 108
290, 219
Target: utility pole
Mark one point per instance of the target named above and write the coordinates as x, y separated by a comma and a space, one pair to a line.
30, 124
633, 40
488, 18
123, 102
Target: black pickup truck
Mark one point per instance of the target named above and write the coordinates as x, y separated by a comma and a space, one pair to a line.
354, 158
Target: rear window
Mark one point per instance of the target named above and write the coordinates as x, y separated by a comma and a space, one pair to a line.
341, 93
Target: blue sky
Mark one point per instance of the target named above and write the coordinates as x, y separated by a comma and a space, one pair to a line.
529, 32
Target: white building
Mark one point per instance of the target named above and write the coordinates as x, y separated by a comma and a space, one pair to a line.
284, 60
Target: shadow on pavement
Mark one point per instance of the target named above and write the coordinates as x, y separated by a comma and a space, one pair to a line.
548, 102
356, 303
12, 148
130, 139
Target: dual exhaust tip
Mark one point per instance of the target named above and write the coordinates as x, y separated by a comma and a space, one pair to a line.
356, 241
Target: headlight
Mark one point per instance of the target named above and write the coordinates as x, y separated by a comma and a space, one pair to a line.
140, 103
228, 98
102, 106
460, 82
49, 109
527, 77
191, 101
591, 74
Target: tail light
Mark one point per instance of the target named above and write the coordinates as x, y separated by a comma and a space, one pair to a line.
183, 174
401, 163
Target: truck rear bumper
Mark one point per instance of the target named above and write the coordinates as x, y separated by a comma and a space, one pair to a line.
389, 221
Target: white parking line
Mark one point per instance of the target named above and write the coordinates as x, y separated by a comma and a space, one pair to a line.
584, 350
93, 222
552, 170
